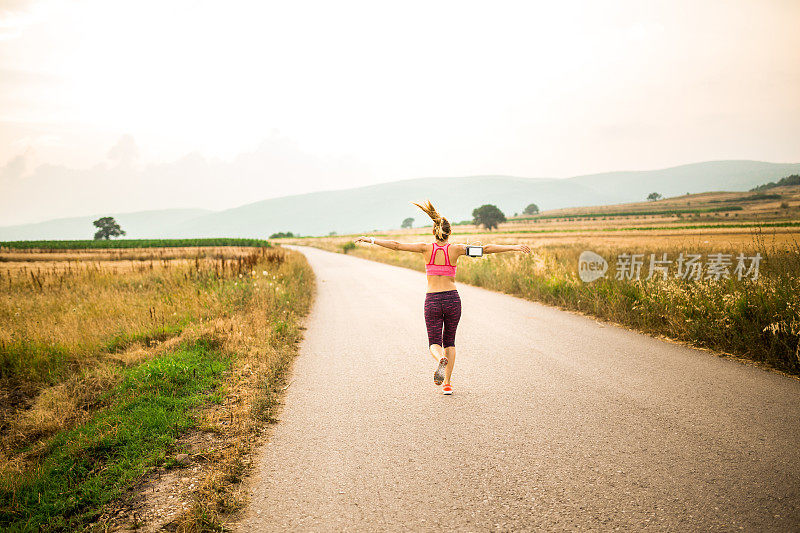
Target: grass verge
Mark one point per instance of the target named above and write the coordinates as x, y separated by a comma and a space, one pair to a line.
84, 468
173, 352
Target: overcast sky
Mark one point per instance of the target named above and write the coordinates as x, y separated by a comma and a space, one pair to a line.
121, 106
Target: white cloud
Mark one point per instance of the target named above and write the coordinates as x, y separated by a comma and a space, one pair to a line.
14, 169
125, 152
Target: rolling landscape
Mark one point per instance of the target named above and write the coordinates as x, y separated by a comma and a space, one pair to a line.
128, 317
399, 266
383, 206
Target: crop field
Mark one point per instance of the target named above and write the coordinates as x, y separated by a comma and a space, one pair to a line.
776, 203
129, 243
724, 304
39, 262
110, 360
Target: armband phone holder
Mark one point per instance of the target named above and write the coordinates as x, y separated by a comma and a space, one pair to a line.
474, 250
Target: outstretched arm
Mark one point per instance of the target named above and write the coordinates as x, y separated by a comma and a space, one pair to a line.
394, 245
500, 248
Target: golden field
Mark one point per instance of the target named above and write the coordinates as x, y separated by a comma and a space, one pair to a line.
111, 359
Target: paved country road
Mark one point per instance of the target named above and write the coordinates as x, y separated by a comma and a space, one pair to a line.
557, 422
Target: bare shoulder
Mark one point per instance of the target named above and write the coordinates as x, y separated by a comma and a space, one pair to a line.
459, 248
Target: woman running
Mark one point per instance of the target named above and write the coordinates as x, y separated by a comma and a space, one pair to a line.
442, 302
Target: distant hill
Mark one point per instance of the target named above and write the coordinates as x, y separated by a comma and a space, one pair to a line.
694, 178
385, 205
777, 203
137, 225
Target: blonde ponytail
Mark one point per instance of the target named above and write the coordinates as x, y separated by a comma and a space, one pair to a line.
441, 227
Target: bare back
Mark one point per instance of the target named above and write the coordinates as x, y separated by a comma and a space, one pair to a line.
442, 283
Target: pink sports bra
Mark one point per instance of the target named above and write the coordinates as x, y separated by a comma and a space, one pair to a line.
440, 270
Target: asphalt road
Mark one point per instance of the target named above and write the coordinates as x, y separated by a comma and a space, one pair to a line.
557, 422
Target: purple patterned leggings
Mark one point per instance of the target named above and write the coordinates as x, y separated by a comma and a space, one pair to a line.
442, 310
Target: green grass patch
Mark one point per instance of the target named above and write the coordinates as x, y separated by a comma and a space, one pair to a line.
46, 363
84, 468
132, 243
161, 333
23, 360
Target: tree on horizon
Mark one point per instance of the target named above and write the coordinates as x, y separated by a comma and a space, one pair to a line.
532, 209
108, 227
488, 216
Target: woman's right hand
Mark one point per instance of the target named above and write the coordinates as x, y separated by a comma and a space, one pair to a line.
361, 239
523, 248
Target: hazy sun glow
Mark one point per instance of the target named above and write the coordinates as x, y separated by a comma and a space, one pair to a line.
366, 92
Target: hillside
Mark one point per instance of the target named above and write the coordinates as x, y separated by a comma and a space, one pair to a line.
775, 202
732, 214
385, 205
137, 225
694, 178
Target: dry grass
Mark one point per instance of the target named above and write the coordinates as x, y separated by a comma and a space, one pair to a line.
62, 334
266, 339
88, 256
55, 323
68, 337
